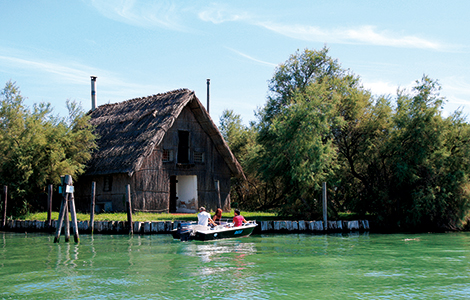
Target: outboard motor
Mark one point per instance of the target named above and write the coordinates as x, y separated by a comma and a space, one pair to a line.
185, 231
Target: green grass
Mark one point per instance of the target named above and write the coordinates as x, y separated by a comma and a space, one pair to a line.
153, 217
149, 217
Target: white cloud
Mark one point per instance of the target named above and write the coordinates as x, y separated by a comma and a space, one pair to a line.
69, 75
218, 14
359, 35
380, 87
62, 72
252, 58
456, 85
147, 14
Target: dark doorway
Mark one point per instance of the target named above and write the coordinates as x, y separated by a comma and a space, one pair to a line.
183, 147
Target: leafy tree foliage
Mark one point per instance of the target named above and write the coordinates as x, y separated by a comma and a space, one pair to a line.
36, 148
246, 193
307, 105
395, 158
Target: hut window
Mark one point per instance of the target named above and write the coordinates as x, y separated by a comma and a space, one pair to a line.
107, 183
167, 155
198, 157
183, 147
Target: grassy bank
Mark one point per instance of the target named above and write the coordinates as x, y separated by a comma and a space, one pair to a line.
150, 217
154, 217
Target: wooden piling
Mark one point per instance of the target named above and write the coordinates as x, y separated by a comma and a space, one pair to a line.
63, 207
92, 207
129, 208
217, 187
50, 191
5, 197
67, 220
325, 209
73, 215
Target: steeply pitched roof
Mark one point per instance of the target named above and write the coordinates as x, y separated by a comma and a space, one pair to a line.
129, 131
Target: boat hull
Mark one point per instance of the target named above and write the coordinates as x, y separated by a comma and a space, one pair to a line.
214, 233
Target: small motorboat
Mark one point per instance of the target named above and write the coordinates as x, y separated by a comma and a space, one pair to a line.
192, 231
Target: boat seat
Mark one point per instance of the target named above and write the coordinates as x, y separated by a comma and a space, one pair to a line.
200, 227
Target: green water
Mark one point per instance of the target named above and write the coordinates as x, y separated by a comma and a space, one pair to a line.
295, 266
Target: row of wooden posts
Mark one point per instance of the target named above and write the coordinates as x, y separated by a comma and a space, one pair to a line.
68, 205
165, 227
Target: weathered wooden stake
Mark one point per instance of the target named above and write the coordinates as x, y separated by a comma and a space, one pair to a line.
67, 220
217, 187
92, 208
62, 212
5, 197
49, 205
129, 208
73, 214
325, 209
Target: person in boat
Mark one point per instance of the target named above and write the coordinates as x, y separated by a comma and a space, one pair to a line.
238, 220
218, 216
204, 218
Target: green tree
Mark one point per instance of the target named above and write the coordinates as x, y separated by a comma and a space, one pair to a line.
36, 148
428, 175
408, 166
307, 106
246, 193
397, 159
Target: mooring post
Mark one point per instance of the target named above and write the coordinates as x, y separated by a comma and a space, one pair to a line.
92, 208
50, 191
217, 187
73, 214
63, 208
129, 208
67, 191
67, 220
5, 197
325, 209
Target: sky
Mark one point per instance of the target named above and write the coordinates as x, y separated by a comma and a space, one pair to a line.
141, 48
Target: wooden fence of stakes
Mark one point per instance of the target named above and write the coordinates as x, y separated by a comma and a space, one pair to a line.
50, 191
92, 206
67, 201
129, 209
325, 206
5, 197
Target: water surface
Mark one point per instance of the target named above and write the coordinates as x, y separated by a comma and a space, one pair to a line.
270, 266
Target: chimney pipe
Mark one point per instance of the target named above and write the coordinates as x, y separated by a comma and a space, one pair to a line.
208, 84
93, 92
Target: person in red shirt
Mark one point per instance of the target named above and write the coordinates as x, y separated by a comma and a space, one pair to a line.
237, 219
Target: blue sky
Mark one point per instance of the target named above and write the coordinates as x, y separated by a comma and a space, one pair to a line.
141, 48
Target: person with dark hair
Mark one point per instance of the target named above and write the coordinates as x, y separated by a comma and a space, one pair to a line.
238, 220
204, 218
218, 216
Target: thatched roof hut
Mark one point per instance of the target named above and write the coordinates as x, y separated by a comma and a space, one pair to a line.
134, 134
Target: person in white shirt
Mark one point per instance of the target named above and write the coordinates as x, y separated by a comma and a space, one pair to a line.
204, 218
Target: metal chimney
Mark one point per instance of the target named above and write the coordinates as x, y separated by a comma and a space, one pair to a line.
208, 85
93, 92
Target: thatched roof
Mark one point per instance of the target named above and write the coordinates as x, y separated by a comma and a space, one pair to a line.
129, 131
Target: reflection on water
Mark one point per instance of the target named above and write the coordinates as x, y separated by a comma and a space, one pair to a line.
294, 266
220, 256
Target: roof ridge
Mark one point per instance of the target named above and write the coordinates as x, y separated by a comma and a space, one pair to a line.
175, 91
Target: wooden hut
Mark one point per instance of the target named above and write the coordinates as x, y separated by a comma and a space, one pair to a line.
167, 148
